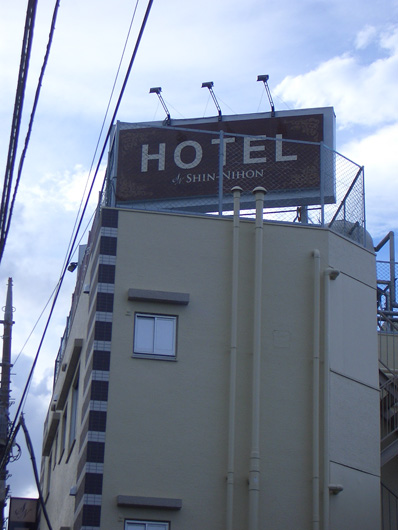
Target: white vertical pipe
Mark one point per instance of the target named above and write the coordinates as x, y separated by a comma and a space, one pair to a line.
316, 391
330, 274
254, 467
221, 173
233, 355
392, 270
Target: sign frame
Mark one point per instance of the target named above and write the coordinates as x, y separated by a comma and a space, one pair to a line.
151, 164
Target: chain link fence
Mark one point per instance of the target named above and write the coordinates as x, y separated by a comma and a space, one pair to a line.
194, 171
387, 273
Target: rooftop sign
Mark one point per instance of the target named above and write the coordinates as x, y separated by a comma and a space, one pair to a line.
23, 513
281, 153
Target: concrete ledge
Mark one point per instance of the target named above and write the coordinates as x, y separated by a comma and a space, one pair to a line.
149, 502
70, 370
53, 421
163, 297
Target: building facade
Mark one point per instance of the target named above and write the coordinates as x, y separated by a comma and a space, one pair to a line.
217, 373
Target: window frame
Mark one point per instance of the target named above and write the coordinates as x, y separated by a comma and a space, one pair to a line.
55, 449
74, 411
130, 524
155, 353
49, 474
64, 427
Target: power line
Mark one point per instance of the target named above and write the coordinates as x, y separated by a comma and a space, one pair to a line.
34, 327
102, 127
68, 256
5, 390
35, 472
92, 164
27, 385
16, 119
36, 100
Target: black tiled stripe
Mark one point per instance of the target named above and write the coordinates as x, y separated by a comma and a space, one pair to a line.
106, 273
99, 390
93, 483
91, 515
103, 331
93, 452
97, 421
110, 218
108, 246
104, 302
101, 360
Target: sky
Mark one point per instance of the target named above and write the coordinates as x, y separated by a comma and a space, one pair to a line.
317, 53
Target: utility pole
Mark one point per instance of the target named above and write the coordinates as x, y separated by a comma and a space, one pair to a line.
5, 393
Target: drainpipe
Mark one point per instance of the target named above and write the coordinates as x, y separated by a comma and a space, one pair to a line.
233, 354
329, 274
392, 270
315, 392
254, 467
390, 237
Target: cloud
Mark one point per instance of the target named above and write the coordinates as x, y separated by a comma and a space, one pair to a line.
184, 44
378, 153
61, 190
35, 412
365, 36
362, 94
40, 233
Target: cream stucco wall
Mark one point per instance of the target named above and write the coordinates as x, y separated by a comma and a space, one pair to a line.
167, 420
60, 503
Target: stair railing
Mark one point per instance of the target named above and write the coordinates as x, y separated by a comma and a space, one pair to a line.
389, 509
388, 401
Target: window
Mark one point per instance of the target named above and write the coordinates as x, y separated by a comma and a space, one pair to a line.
49, 473
63, 432
55, 449
73, 415
155, 335
145, 525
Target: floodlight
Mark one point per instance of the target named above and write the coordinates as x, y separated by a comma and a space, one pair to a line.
72, 266
209, 85
157, 90
264, 78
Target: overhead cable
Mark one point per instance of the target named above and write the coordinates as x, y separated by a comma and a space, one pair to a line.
16, 119
36, 100
27, 385
35, 472
92, 164
101, 131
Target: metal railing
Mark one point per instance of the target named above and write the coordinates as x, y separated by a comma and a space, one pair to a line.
388, 402
387, 272
306, 182
389, 509
388, 373
388, 376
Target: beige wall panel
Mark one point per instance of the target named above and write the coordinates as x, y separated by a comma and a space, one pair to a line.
61, 504
352, 336
167, 421
358, 505
354, 409
389, 475
172, 414
352, 259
